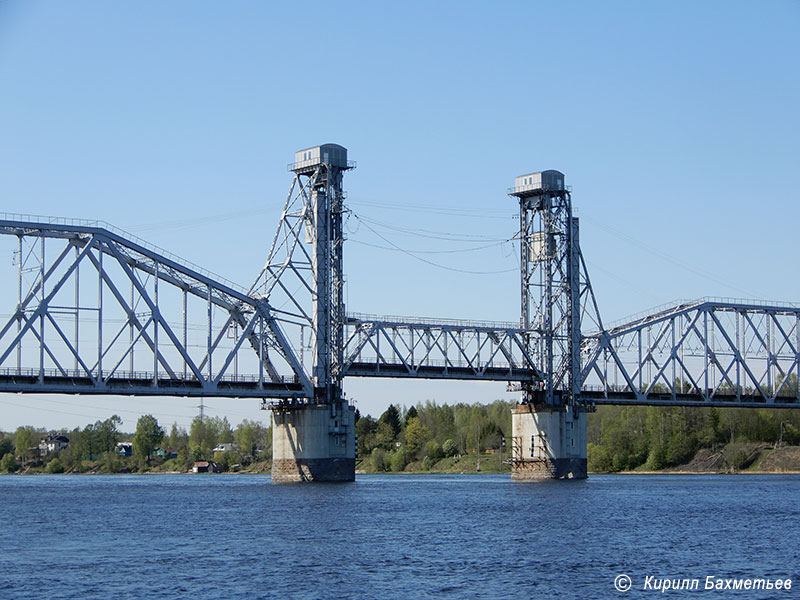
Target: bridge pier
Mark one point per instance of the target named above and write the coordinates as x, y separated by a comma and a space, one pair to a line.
313, 442
548, 443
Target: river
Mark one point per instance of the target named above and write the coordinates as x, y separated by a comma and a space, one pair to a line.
394, 536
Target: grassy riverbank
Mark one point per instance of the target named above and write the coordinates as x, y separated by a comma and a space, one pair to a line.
742, 457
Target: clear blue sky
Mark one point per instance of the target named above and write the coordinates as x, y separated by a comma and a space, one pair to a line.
676, 124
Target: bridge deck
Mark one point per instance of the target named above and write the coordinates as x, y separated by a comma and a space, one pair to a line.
716, 401
143, 384
491, 373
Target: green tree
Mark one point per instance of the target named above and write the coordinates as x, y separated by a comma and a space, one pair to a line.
203, 436
378, 460
254, 440
91, 449
450, 448
147, 437
178, 437
112, 463
8, 463
399, 461
100, 437
184, 459
384, 436
416, 437
599, 457
23, 440
107, 434
439, 420
55, 466
6, 447
245, 437
391, 417
264, 442
366, 430
791, 434
433, 451
225, 435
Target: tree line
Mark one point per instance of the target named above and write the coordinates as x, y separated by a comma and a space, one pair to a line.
419, 437
95, 446
619, 438
622, 438
428, 433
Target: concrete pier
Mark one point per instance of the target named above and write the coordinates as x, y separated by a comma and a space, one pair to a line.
313, 442
548, 443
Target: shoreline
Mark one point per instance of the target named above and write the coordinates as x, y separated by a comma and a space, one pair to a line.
406, 473
674, 472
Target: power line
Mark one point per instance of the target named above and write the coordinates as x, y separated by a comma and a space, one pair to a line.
429, 262
473, 249
670, 258
425, 233
439, 210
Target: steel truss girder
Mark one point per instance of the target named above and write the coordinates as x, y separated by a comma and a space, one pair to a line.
429, 350
707, 352
47, 322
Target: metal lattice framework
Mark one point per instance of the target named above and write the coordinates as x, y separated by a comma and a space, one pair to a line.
710, 351
398, 347
556, 294
100, 313
303, 276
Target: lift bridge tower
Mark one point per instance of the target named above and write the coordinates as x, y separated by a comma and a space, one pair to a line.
314, 435
549, 423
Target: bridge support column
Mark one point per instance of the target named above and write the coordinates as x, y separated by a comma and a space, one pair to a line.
313, 442
548, 443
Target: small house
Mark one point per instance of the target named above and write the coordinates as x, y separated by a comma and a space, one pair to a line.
55, 442
124, 449
165, 453
204, 466
222, 448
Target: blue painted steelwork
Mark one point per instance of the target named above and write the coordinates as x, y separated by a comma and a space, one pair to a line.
134, 290
708, 352
102, 312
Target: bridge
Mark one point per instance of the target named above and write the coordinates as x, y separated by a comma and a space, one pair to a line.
99, 311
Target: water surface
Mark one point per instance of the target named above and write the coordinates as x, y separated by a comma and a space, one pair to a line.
426, 536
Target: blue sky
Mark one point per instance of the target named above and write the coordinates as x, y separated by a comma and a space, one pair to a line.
676, 124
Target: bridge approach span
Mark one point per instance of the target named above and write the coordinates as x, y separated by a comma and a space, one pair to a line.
98, 312
707, 352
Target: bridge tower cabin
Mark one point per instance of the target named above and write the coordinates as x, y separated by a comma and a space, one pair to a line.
549, 423
314, 440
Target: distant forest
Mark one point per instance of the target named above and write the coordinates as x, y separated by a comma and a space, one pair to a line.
622, 438
424, 437
619, 438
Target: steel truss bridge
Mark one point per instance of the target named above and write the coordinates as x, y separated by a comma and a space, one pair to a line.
98, 311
